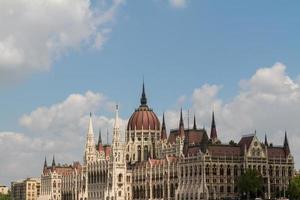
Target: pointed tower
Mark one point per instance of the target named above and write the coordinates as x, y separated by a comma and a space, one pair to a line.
143, 97
163, 129
90, 150
45, 163
116, 133
213, 130
99, 144
195, 125
53, 162
181, 125
286, 144
117, 164
266, 140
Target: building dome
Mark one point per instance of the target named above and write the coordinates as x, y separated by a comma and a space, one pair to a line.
143, 117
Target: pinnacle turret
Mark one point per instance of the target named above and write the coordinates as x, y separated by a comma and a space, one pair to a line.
53, 162
99, 138
213, 130
143, 97
163, 129
195, 125
45, 163
266, 140
286, 144
181, 125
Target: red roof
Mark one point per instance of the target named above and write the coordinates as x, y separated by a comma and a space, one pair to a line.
246, 140
143, 117
276, 152
224, 150
195, 136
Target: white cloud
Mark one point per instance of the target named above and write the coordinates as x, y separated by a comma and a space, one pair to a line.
35, 33
178, 3
58, 129
268, 102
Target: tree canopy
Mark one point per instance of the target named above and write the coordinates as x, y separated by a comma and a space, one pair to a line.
251, 182
294, 188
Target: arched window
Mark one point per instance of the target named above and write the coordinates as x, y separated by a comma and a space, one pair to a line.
214, 170
139, 153
221, 170
228, 170
146, 153
120, 178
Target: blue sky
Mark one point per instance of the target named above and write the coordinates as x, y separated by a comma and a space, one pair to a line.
175, 49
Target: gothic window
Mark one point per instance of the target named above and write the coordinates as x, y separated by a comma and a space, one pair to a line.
277, 171
235, 170
120, 178
214, 170
221, 188
145, 152
271, 171
253, 152
264, 170
139, 153
207, 170
228, 189
258, 153
228, 171
221, 170
186, 171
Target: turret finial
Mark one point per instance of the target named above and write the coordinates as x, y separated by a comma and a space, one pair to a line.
195, 125
53, 161
143, 97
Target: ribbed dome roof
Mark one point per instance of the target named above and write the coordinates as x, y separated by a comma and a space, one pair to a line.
143, 117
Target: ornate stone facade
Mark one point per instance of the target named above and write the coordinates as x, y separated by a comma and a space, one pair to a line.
186, 164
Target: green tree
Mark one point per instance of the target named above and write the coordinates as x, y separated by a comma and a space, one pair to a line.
5, 197
294, 188
250, 183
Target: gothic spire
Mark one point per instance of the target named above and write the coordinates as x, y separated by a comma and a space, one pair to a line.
45, 163
195, 125
99, 138
266, 140
286, 144
181, 118
163, 129
213, 131
116, 134
143, 97
181, 125
53, 161
90, 130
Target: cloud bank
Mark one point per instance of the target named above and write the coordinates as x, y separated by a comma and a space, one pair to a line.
35, 33
268, 102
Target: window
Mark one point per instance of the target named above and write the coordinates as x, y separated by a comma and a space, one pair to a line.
120, 177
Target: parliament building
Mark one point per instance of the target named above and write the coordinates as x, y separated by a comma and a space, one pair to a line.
184, 164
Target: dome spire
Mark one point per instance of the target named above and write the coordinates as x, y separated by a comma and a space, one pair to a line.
143, 97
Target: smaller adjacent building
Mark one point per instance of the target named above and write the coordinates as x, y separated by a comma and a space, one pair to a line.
27, 189
4, 189
51, 179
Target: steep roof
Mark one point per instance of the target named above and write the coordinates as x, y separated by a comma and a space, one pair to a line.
246, 140
224, 150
